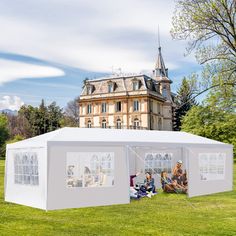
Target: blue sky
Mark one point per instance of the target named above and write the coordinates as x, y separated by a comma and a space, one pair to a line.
48, 47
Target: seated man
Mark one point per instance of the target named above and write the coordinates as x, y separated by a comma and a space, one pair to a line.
178, 180
167, 184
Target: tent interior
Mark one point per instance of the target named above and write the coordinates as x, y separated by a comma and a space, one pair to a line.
79, 167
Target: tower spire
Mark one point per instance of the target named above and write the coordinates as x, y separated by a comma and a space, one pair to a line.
158, 36
160, 69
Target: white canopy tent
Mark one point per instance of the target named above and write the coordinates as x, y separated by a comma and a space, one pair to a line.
79, 167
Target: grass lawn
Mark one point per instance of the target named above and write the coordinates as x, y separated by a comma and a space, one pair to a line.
162, 215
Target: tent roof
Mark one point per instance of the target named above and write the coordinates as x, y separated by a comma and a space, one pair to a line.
115, 135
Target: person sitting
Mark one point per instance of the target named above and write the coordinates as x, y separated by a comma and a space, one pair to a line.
149, 185
167, 184
177, 167
178, 181
133, 192
184, 179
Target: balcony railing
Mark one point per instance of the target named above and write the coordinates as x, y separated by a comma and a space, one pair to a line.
122, 127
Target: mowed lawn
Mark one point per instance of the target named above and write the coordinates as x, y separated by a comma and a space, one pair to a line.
162, 215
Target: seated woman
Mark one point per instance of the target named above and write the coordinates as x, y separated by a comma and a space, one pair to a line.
167, 184
149, 184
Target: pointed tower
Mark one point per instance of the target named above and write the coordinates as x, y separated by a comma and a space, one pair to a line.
161, 76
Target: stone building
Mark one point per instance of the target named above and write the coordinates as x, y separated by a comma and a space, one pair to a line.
129, 102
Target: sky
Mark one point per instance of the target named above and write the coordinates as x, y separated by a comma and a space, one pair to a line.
48, 47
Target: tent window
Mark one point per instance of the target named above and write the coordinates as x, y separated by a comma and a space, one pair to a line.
90, 169
26, 168
212, 166
158, 162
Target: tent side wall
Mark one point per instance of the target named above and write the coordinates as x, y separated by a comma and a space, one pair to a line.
210, 169
25, 176
73, 179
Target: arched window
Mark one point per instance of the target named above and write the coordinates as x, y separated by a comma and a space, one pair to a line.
118, 124
136, 123
104, 124
89, 124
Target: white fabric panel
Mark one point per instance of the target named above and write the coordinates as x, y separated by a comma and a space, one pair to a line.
61, 196
29, 195
213, 184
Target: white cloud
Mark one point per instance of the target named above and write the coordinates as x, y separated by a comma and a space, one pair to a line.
90, 35
13, 70
11, 102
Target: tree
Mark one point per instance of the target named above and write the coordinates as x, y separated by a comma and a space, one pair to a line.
210, 27
212, 123
184, 100
4, 133
71, 114
39, 120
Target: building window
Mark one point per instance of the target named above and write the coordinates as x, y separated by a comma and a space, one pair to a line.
110, 87
89, 89
118, 106
89, 125
136, 105
89, 108
136, 85
118, 124
104, 124
158, 108
151, 106
26, 168
164, 92
104, 107
160, 124
136, 123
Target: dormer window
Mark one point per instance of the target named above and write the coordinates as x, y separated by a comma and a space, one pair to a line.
111, 86
136, 85
164, 92
89, 88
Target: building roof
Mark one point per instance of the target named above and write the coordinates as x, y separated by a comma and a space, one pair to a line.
114, 136
122, 84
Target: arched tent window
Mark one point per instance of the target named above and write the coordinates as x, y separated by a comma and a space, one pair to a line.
89, 124
136, 123
118, 123
104, 124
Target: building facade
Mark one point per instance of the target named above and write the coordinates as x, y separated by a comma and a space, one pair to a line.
129, 102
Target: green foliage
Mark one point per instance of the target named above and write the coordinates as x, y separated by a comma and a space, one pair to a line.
184, 99
4, 133
212, 123
40, 120
209, 26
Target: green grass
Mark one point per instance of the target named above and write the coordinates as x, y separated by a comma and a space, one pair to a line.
164, 214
